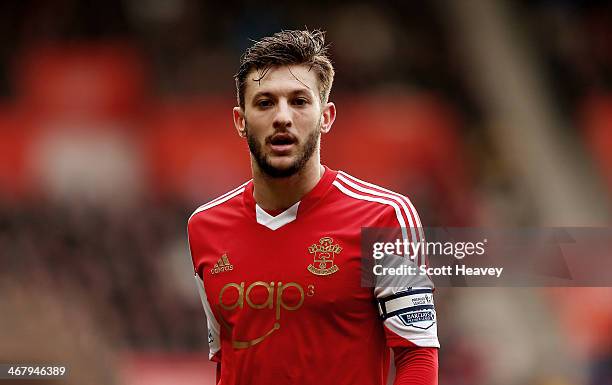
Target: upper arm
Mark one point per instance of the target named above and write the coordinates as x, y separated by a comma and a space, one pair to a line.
195, 235
405, 302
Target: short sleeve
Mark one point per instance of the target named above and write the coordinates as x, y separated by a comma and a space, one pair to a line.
406, 302
214, 336
213, 328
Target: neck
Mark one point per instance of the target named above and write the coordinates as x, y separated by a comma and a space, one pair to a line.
282, 193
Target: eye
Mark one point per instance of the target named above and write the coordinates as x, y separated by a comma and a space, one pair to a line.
264, 103
300, 101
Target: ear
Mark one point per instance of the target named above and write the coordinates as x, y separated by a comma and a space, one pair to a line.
239, 121
328, 117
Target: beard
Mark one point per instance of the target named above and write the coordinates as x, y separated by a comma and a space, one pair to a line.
303, 156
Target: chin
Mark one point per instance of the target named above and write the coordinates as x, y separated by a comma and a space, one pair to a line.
280, 168
282, 163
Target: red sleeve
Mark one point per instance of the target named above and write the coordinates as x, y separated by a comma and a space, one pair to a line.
416, 366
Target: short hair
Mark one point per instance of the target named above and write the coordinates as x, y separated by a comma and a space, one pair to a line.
287, 48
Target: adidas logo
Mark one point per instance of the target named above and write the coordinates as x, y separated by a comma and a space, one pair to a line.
222, 265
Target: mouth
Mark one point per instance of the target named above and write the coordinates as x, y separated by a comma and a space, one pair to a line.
282, 143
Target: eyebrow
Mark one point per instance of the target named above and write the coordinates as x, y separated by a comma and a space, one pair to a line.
306, 91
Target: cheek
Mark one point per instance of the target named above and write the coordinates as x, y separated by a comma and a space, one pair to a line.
309, 118
257, 121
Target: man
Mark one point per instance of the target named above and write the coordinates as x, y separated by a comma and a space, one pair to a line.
277, 260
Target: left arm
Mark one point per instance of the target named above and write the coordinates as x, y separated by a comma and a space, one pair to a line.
416, 366
406, 306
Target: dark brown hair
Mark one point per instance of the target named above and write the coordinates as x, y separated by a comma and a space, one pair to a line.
287, 48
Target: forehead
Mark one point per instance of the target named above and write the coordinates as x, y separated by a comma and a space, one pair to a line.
281, 80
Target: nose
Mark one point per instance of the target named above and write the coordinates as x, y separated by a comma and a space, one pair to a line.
282, 119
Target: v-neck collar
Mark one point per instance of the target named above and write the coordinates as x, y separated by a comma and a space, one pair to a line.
274, 222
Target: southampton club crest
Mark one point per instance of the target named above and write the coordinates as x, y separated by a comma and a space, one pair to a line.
324, 254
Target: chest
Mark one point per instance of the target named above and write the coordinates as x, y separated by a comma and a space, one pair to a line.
306, 266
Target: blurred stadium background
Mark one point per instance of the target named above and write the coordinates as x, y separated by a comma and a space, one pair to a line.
115, 124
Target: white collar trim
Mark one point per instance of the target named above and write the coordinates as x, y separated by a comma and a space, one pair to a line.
276, 222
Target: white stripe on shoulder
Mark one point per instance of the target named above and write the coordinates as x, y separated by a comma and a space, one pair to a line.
223, 198
402, 197
384, 195
227, 193
418, 225
368, 198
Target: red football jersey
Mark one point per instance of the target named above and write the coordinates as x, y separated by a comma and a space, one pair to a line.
283, 294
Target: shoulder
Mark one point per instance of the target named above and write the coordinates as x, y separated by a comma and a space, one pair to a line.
391, 207
228, 201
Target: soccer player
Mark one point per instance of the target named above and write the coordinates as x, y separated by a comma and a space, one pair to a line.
277, 260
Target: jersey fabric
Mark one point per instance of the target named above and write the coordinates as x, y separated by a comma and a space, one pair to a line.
283, 294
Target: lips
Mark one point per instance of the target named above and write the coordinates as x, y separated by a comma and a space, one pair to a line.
281, 143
